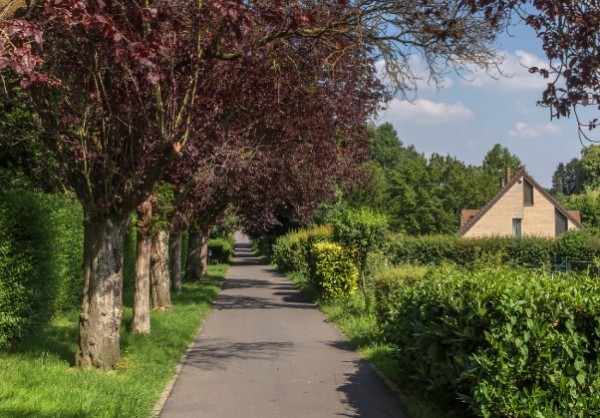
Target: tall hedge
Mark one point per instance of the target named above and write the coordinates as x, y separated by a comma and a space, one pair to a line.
506, 342
41, 245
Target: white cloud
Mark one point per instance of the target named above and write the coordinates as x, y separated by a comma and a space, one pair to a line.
523, 130
427, 111
513, 75
520, 107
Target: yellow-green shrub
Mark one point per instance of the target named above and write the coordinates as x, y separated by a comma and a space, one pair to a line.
291, 252
332, 270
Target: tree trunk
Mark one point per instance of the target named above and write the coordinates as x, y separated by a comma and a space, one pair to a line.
175, 259
141, 296
193, 268
102, 305
160, 291
204, 252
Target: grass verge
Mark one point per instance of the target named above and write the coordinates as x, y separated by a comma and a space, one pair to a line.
359, 325
39, 380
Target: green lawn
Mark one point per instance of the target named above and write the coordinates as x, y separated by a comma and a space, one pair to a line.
37, 378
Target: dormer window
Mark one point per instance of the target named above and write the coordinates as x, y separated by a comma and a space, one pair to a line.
527, 194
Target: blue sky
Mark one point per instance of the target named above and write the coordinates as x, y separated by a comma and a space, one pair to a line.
465, 119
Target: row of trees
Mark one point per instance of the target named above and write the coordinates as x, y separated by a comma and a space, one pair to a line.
231, 103
577, 184
578, 174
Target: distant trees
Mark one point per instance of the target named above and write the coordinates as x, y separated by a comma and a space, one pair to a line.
578, 174
577, 184
420, 195
498, 159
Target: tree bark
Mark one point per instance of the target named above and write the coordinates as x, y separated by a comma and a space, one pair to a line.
102, 304
141, 296
160, 292
204, 252
193, 268
175, 260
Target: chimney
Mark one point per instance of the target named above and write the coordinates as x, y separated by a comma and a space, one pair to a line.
507, 174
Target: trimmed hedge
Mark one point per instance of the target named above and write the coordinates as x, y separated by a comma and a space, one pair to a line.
41, 253
221, 250
528, 251
292, 252
504, 341
332, 270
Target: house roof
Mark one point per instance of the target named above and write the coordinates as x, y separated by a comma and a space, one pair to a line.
521, 174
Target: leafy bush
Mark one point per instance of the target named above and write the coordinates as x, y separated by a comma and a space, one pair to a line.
332, 270
292, 252
388, 284
41, 245
360, 231
221, 250
505, 341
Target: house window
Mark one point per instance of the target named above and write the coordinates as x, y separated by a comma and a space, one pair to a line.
560, 223
517, 228
527, 194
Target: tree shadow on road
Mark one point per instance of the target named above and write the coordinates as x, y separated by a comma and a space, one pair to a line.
217, 354
256, 302
367, 396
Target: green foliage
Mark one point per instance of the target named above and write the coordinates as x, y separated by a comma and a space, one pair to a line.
387, 287
528, 251
588, 204
39, 381
590, 163
419, 195
292, 252
507, 342
221, 250
41, 244
332, 270
163, 207
227, 226
583, 244
498, 159
360, 231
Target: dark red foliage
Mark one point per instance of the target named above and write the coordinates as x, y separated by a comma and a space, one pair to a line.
20, 49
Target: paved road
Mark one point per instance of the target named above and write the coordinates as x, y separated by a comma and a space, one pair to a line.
264, 352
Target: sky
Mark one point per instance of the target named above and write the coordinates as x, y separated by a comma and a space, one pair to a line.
465, 118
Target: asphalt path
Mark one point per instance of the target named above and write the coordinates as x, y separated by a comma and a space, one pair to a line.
264, 352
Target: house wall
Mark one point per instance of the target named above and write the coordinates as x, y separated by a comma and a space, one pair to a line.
537, 220
498, 219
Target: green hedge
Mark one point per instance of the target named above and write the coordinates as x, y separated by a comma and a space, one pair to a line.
332, 270
221, 250
292, 252
41, 244
506, 342
528, 251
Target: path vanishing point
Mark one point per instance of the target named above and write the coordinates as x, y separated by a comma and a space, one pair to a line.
264, 352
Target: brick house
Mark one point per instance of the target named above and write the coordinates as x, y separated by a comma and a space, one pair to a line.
522, 207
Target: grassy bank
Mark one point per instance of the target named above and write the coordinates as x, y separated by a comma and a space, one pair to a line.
38, 379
